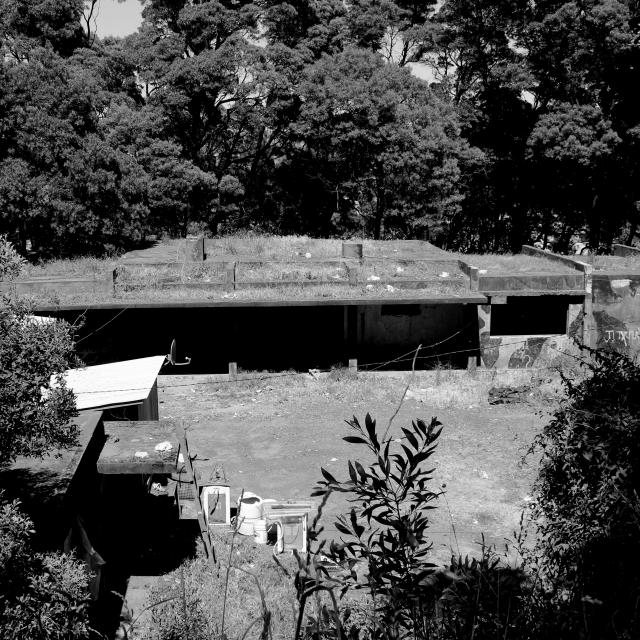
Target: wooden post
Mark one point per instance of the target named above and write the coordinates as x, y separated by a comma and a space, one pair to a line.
353, 365
233, 371
472, 365
114, 279
194, 249
231, 275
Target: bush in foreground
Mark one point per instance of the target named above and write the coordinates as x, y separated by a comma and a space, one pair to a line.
42, 596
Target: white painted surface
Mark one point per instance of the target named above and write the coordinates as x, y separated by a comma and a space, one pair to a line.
114, 384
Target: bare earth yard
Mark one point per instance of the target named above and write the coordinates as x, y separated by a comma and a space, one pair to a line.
273, 435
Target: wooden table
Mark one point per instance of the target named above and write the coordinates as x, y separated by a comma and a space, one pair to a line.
127, 438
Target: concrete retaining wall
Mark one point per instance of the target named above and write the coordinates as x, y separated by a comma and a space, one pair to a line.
536, 282
525, 352
616, 312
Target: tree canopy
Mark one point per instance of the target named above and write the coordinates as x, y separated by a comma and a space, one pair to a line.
478, 124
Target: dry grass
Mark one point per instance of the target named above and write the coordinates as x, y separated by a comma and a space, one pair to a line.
291, 247
88, 267
274, 271
273, 247
513, 263
253, 568
273, 434
157, 292
204, 589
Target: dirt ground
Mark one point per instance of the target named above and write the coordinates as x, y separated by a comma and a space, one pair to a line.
272, 436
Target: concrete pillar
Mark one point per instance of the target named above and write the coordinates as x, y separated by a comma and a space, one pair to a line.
484, 335
233, 371
353, 366
575, 321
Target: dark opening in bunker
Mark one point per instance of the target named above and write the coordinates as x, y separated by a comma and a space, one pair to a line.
285, 337
529, 315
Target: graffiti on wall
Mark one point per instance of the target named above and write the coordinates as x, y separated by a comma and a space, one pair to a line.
625, 337
526, 352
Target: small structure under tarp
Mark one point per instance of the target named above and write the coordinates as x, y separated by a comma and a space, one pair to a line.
124, 390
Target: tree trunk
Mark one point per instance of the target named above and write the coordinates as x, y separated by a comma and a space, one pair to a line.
634, 227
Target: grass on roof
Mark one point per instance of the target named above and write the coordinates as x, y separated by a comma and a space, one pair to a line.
513, 263
160, 293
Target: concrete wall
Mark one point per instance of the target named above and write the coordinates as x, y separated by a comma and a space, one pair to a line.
525, 352
507, 336
616, 312
389, 329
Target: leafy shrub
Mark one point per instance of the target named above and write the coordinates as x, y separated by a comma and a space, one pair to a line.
35, 414
483, 599
385, 548
11, 262
43, 596
386, 530
587, 507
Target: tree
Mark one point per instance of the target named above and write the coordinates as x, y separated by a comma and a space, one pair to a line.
60, 186
372, 134
585, 57
26, 25
572, 150
198, 68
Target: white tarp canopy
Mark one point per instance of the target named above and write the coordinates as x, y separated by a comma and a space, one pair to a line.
114, 384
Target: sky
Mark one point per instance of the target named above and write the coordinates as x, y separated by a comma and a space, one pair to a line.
118, 18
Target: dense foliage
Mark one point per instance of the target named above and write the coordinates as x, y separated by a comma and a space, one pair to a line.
587, 505
479, 125
35, 405
44, 596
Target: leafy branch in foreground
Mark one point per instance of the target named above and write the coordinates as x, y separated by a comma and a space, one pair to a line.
385, 533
